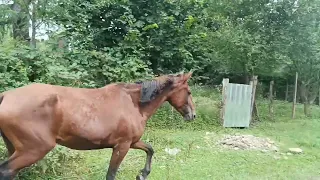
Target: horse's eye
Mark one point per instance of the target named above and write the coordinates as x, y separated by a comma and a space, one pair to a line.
189, 92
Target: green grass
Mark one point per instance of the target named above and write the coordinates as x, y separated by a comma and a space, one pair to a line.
200, 157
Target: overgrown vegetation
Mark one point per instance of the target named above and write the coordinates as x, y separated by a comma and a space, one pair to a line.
93, 43
110, 41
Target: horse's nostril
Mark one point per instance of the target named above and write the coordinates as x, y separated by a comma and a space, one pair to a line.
194, 116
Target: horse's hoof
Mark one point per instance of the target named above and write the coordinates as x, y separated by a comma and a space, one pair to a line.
4, 177
140, 177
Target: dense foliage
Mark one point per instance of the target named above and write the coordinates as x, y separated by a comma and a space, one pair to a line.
98, 42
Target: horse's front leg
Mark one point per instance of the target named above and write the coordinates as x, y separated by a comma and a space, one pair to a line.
118, 154
149, 150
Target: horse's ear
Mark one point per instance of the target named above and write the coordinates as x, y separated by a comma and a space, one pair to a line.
182, 78
187, 76
180, 74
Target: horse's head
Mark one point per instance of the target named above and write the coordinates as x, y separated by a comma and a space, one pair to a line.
180, 97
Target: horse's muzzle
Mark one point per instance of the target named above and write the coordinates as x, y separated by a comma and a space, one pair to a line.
190, 117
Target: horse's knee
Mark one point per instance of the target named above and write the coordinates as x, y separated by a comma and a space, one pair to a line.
150, 151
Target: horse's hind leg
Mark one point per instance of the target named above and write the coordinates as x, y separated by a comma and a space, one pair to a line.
20, 160
4, 165
30, 146
149, 150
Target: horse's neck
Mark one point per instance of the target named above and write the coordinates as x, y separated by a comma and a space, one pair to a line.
149, 109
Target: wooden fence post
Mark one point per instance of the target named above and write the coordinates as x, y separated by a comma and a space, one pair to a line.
319, 97
254, 109
271, 100
287, 92
225, 83
295, 97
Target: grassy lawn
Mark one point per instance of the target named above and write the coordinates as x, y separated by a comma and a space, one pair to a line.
200, 156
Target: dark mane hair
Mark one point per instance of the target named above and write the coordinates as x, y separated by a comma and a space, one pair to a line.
151, 89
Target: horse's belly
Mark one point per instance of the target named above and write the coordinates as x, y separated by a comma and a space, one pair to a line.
80, 143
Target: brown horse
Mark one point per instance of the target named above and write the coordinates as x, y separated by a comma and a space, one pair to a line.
34, 118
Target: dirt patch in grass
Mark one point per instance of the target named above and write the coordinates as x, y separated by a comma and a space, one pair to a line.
247, 142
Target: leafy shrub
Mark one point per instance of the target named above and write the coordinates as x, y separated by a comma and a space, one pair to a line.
21, 65
107, 66
13, 70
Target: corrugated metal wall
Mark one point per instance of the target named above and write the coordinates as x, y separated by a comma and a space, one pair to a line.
237, 105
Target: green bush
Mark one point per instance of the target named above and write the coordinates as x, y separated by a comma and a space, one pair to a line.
21, 65
13, 70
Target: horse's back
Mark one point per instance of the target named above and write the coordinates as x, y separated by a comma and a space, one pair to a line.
37, 94
28, 101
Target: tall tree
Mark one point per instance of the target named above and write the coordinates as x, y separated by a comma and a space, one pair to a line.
21, 22
303, 48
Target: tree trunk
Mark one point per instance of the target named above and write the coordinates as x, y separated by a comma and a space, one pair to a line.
304, 91
246, 78
33, 42
21, 24
312, 98
306, 109
313, 93
61, 44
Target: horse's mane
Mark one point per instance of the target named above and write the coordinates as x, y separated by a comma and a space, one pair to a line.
153, 88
